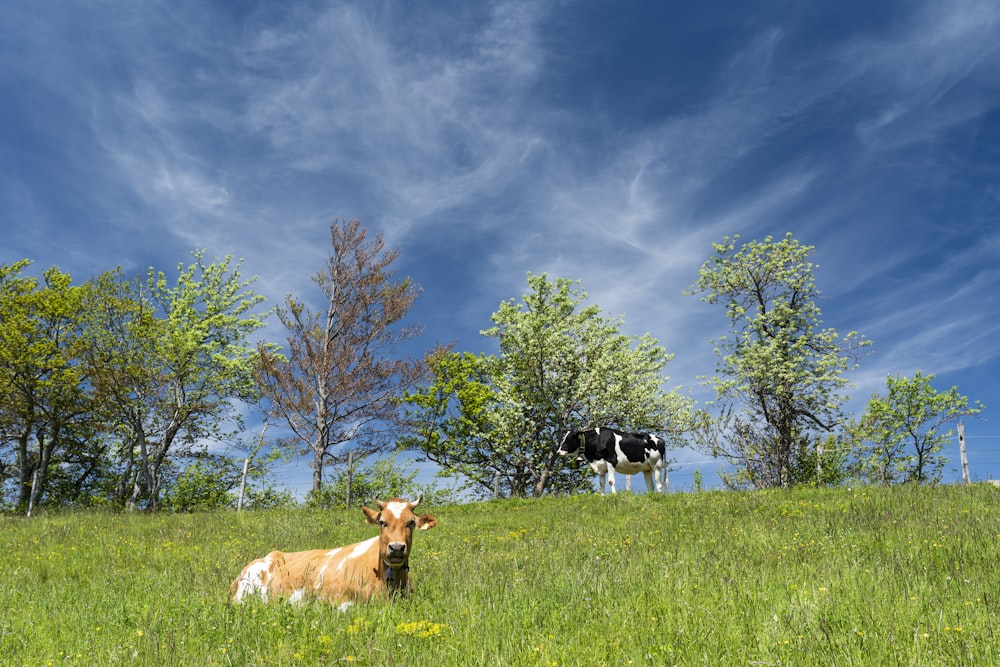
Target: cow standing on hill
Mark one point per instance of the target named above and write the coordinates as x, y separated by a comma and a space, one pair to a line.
608, 450
357, 572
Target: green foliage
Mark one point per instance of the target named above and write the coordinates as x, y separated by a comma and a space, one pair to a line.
808, 577
900, 437
561, 366
780, 376
208, 316
267, 497
203, 485
194, 360
384, 479
823, 461
45, 412
212, 482
102, 383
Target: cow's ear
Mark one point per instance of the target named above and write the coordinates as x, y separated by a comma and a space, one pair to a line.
426, 522
370, 515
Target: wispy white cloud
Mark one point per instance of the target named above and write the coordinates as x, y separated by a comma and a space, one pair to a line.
248, 137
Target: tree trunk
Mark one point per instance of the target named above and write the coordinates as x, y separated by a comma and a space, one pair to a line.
543, 478
41, 478
143, 477
26, 471
317, 482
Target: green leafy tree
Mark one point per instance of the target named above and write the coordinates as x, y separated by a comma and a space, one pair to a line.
211, 481
900, 437
779, 376
384, 478
203, 485
125, 370
171, 359
822, 462
45, 408
561, 366
337, 384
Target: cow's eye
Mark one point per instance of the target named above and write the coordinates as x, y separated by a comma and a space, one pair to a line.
413, 522
382, 523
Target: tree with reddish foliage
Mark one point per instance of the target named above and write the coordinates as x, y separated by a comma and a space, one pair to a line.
336, 385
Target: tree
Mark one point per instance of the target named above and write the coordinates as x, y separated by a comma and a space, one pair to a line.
561, 366
171, 360
44, 406
125, 370
339, 379
383, 479
898, 438
779, 374
206, 484
118, 370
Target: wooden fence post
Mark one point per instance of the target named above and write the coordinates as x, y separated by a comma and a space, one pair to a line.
961, 449
819, 464
246, 467
243, 484
350, 477
31, 495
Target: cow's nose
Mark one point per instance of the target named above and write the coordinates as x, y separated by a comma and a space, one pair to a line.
397, 548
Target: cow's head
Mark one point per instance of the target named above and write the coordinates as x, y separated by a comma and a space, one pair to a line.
570, 443
396, 522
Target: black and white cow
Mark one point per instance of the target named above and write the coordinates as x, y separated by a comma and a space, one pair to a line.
608, 450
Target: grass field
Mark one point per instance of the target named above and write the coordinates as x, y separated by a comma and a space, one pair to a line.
903, 576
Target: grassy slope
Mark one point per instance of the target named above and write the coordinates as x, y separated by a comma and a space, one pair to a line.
905, 576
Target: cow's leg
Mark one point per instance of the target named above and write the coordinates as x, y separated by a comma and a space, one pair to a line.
611, 479
648, 474
601, 469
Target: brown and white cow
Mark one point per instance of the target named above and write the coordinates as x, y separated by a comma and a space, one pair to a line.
376, 567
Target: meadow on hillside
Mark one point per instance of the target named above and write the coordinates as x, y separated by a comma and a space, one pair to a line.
863, 576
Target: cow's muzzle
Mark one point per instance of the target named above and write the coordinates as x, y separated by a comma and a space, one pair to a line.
395, 553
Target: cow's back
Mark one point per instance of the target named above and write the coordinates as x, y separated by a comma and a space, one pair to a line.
335, 575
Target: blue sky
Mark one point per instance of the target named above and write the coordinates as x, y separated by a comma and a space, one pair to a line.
611, 143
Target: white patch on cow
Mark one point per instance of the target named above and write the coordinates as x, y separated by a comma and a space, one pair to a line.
600, 466
297, 595
361, 548
651, 466
631, 467
252, 581
396, 508
326, 563
624, 465
344, 606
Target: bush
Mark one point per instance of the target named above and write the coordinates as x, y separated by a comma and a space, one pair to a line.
384, 479
201, 486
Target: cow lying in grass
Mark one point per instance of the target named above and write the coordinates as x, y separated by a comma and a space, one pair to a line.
376, 567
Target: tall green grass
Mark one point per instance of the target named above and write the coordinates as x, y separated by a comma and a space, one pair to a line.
903, 576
